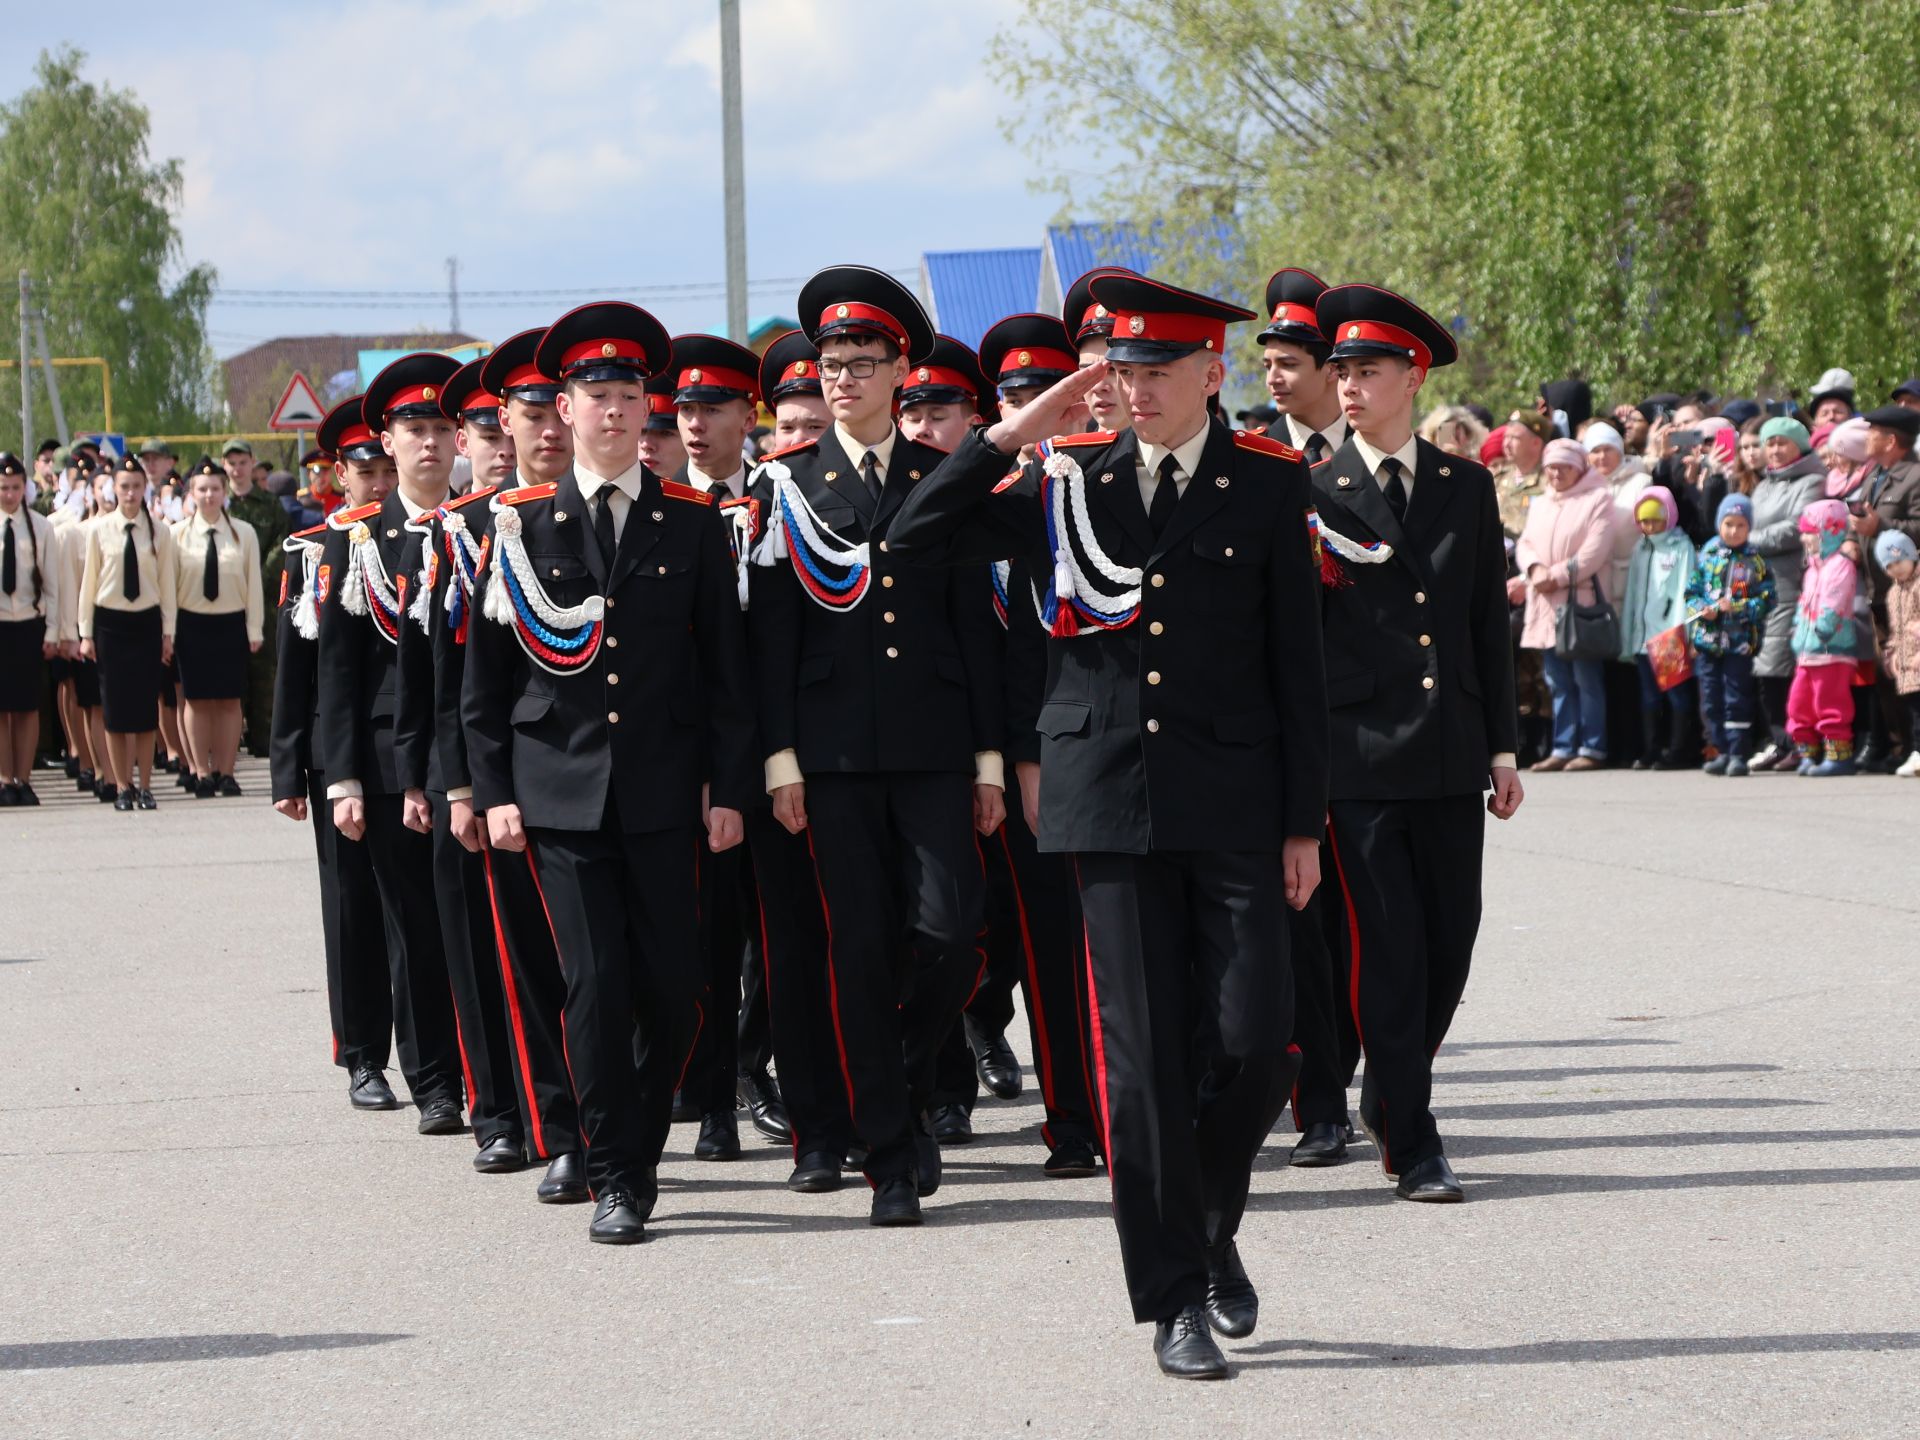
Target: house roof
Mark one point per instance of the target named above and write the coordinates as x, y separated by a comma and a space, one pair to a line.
256, 377
1069, 251
967, 291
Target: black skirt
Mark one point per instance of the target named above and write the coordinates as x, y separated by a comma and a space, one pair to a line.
20, 663
86, 684
212, 653
128, 643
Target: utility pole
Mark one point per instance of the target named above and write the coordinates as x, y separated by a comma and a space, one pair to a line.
733, 170
53, 380
26, 369
453, 295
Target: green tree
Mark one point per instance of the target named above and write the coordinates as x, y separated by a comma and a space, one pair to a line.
90, 217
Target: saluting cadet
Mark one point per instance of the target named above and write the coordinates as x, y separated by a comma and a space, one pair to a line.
790, 379
360, 594
30, 628
1300, 378
429, 753
1091, 325
1420, 680
660, 449
716, 393
1183, 768
361, 971
222, 621
608, 713
878, 691
126, 623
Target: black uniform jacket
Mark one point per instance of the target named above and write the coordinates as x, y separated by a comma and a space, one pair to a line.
664, 707
295, 697
1419, 659
909, 678
430, 742
1202, 725
353, 732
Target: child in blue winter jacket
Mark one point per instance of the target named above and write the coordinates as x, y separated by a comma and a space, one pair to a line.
1728, 597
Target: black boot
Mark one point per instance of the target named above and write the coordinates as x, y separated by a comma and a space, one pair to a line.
1650, 756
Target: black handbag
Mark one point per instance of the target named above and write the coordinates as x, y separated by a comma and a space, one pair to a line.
1585, 632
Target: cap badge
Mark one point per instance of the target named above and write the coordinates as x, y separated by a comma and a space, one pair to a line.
841, 313
427, 392
1023, 358
609, 350
693, 377
925, 375
1221, 481
800, 367
1137, 324
1353, 332
1100, 311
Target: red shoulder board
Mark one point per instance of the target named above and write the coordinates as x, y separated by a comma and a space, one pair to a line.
359, 512
1265, 444
1092, 437
790, 450
1011, 479
470, 497
527, 493
674, 490
319, 530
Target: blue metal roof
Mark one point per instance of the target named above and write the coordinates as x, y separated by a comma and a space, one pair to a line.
966, 291
1080, 248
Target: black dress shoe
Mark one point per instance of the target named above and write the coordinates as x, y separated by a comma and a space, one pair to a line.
72, 767
123, 800
993, 1058
1233, 1307
441, 1116
1431, 1180
951, 1125
895, 1203
617, 1219
107, 791
565, 1182
685, 1111
502, 1155
368, 1090
85, 781
815, 1173
146, 800
1323, 1143
1185, 1348
857, 1156
926, 1160
228, 786
719, 1137
765, 1108
9, 794
200, 787
1071, 1159
26, 794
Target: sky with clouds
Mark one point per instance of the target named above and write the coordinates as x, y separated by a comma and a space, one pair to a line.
356, 145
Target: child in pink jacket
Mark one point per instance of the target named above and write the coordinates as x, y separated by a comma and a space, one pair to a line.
1825, 645
1566, 547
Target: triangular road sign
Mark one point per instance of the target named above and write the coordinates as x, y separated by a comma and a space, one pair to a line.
299, 407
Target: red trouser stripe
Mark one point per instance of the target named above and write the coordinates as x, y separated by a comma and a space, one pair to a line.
1043, 1045
1353, 963
566, 1055
513, 1013
1099, 1036
833, 987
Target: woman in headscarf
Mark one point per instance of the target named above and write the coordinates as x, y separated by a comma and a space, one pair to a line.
1567, 549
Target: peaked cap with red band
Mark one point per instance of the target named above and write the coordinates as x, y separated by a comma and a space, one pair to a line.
951, 375
345, 434
607, 340
857, 300
663, 407
1085, 317
790, 366
408, 389
1154, 323
1028, 350
1291, 317
510, 371
1363, 320
465, 399
708, 370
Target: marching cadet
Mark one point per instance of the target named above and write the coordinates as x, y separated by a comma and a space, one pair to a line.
608, 712
715, 397
222, 621
361, 973
252, 503
660, 448
366, 564
429, 754
879, 691
1420, 681
30, 628
1183, 768
1300, 378
790, 379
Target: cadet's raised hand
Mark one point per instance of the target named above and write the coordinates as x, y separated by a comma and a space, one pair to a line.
1059, 410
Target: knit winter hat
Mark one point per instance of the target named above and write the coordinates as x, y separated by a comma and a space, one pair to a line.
1893, 546
1821, 434
1824, 517
1599, 435
1565, 452
1734, 504
1491, 446
1849, 440
1791, 428
1656, 501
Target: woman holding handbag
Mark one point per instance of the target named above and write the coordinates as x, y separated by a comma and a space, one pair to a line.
1565, 551
1658, 569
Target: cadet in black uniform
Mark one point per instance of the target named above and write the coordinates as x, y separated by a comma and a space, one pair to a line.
790, 379
361, 968
360, 594
879, 709
1420, 680
1183, 769
605, 765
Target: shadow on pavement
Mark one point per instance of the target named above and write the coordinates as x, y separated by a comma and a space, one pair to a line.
1598, 1042
1364, 1354
1567, 1072
1458, 1146
170, 1349
1532, 1109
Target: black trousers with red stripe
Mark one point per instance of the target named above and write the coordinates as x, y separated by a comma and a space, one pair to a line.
729, 926
625, 915
426, 1034
901, 885
1322, 1015
359, 971
1192, 1010
536, 996
793, 940
473, 973
1409, 875
1034, 943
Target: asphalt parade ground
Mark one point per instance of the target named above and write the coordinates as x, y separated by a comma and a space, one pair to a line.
1681, 1094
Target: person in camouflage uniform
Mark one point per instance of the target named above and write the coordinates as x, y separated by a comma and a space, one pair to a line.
251, 503
1517, 478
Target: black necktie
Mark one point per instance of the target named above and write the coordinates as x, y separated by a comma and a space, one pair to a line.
210, 583
1316, 448
9, 563
130, 568
603, 524
1396, 490
870, 476
1166, 493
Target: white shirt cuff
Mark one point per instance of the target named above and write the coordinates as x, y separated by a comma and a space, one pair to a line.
988, 769
460, 792
1505, 760
783, 768
346, 790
